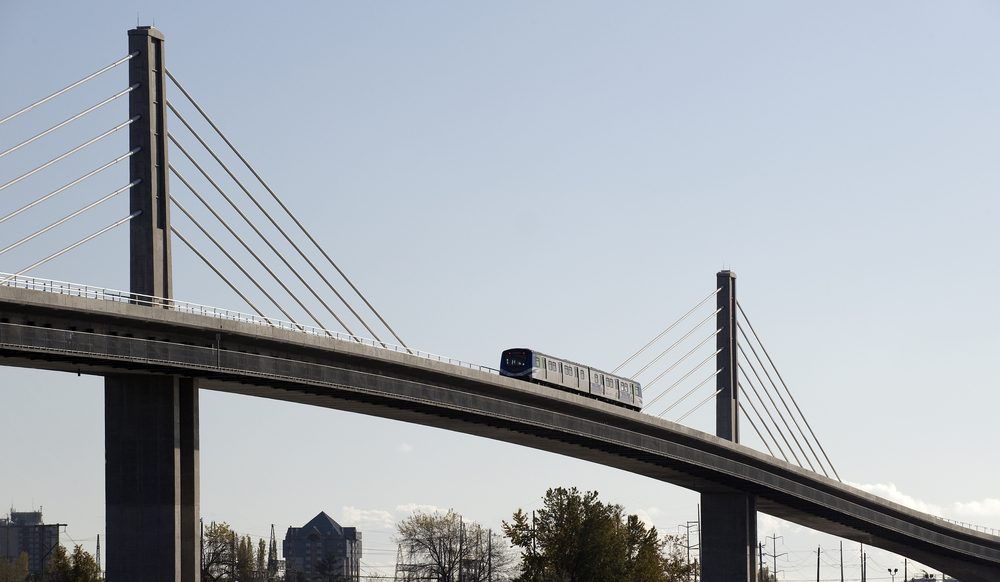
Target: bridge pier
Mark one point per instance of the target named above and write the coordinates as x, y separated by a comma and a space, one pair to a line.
152, 478
729, 519
729, 537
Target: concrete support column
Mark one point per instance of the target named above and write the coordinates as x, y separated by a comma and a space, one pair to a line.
152, 483
729, 537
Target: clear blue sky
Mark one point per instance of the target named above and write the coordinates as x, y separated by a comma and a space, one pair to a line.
841, 159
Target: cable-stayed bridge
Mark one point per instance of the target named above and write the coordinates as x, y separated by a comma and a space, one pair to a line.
156, 352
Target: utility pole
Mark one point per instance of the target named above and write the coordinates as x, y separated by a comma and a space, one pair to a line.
774, 554
817, 563
760, 561
841, 560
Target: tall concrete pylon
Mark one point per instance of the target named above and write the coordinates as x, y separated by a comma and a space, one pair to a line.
151, 421
729, 517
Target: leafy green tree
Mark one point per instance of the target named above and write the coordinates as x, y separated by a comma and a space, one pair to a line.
245, 560
330, 569
262, 556
79, 566
572, 539
577, 538
15, 571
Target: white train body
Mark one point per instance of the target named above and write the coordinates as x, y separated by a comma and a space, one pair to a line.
542, 368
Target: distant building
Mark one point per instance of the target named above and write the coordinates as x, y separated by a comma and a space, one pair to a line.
23, 531
322, 539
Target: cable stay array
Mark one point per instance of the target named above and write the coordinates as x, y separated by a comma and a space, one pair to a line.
82, 188
270, 250
268, 253
677, 382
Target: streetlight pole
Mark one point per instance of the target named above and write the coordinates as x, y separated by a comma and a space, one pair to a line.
892, 572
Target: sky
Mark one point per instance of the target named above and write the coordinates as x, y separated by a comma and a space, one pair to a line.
563, 176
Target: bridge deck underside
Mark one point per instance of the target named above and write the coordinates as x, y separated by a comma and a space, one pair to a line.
341, 375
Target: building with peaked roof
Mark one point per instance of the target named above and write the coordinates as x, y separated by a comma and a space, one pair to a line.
322, 547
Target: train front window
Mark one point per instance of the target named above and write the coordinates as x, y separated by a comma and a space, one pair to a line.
515, 361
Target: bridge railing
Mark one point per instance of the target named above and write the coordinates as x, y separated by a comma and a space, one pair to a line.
982, 528
104, 294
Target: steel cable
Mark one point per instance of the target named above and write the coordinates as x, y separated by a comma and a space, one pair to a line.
72, 151
686, 376
70, 217
230, 257
762, 422
266, 241
71, 119
289, 212
73, 246
217, 272
785, 404
666, 351
60, 92
71, 184
675, 324
776, 409
693, 390
818, 444
242, 242
277, 226
760, 436
684, 357
700, 404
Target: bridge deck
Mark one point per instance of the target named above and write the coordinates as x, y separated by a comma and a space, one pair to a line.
61, 332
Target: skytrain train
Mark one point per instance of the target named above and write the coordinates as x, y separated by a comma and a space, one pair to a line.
537, 367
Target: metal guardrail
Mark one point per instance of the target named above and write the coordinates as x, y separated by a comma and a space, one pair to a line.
114, 295
982, 528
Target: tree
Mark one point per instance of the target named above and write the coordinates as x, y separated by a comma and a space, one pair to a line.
218, 553
577, 538
330, 569
246, 562
80, 566
15, 571
443, 548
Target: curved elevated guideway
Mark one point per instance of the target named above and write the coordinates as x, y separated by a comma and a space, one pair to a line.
41, 329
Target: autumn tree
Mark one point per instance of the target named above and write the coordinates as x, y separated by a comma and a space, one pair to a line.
577, 538
444, 548
79, 566
15, 571
218, 553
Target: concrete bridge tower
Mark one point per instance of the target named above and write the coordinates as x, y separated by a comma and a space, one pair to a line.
151, 420
728, 517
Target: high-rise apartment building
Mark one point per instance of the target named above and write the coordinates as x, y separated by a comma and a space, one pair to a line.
23, 531
320, 544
